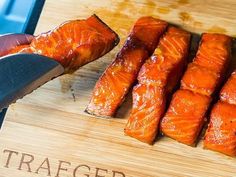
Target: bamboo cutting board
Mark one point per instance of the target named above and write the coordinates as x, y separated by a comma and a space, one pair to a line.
47, 133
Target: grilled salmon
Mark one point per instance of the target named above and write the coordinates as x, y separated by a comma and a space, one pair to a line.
157, 78
205, 74
17, 49
185, 116
213, 52
200, 79
221, 133
228, 92
112, 87
74, 43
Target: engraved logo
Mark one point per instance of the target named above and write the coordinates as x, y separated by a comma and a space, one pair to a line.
29, 163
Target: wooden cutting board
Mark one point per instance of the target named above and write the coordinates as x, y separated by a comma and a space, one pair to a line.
47, 133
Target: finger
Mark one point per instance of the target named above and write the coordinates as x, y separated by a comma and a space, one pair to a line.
9, 41
23, 39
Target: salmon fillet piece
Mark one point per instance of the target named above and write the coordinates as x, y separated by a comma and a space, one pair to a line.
185, 116
221, 133
157, 78
214, 52
200, 80
228, 92
112, 87
148, 106
17, 49
73, 43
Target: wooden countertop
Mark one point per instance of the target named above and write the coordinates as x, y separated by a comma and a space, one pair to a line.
49, 129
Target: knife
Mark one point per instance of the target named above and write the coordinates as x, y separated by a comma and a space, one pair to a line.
20, 74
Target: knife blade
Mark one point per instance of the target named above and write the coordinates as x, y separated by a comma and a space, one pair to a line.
20, 74
8, 41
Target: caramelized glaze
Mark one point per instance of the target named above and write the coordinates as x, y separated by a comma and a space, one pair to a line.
187, 111
74, 43
221, 133
157, 78
112, 87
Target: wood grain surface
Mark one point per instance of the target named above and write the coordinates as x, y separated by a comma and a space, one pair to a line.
47, 132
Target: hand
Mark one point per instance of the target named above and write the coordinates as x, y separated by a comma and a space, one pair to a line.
9, 41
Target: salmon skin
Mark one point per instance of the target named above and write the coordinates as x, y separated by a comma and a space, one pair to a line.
112, 87
74, 43
221, 133
186, 114
157, 78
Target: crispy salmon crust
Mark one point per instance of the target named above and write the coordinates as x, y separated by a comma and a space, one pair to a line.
199, 83
112, 87
221, 133
157, 78
74, 43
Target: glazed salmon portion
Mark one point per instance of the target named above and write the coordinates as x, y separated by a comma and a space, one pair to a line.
112, 87
200, 80
157, 77
74, 43
221, 133
214, 52
228, 92
205, 74
185, 116
168, 58
17, 49
148, 107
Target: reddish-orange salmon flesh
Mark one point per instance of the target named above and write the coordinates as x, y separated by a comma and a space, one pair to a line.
74, 43
112, 87
157, 78
187, 111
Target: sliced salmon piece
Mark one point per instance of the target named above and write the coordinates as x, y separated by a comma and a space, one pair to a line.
200, 79
148, 107
168, 59
214, 52
185, 116
221, 133
74, 43
157, 78
228, 92
17, 49
112, 87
